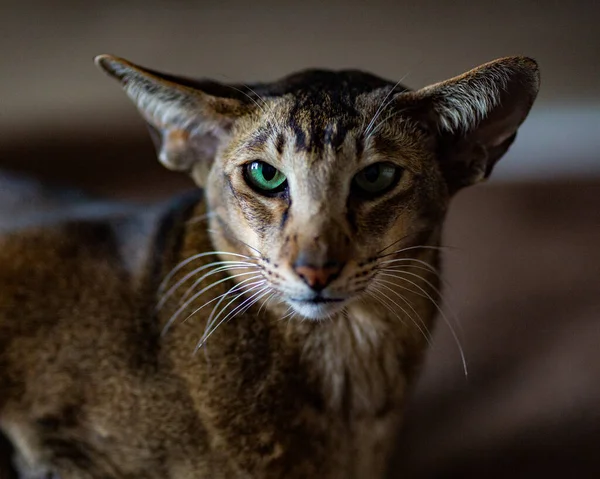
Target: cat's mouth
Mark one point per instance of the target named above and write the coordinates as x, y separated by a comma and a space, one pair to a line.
317, 300
317, 307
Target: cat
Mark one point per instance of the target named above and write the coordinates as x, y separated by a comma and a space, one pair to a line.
269, 324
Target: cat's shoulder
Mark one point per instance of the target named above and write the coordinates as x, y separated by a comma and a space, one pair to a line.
44, 230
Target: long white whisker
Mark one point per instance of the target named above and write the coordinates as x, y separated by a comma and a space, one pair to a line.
184, 306
247, 289
262, 107
410, 260
249, 97
402, 267
436, 290
399, 286
241, 285
426, 334
288, 313
169, 323
265, 302
216, 271
211, 317
409, 248
204, 339
199, 218
254, 302
174, 288
231, 237
185, 262
382, 122
381, 106
445, 318
371, 292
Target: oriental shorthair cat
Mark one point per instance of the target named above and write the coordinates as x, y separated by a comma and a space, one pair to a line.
268, 324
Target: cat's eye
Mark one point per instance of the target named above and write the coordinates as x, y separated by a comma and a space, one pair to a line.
264, 178
376, 179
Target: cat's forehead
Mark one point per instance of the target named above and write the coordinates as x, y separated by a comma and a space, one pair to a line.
318, 109
315, 83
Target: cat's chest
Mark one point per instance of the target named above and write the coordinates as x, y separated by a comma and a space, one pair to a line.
358, 364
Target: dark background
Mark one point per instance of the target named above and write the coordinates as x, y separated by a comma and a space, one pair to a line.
525, 270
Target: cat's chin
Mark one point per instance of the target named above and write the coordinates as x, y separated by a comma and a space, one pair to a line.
316, 310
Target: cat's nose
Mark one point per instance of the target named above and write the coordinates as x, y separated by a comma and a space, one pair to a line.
318, 277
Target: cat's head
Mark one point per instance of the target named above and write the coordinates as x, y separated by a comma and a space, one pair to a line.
322, 174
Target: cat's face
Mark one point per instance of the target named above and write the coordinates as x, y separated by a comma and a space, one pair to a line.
318, 194
324, 176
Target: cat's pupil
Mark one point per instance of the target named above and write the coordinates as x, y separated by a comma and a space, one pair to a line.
268, 172
371, 173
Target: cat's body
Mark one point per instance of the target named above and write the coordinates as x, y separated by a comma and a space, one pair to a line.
98, 376
92, 382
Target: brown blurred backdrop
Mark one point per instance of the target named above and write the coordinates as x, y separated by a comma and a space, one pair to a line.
525, 273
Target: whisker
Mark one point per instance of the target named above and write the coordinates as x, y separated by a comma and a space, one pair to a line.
437, 291
381, 106
230, 236
235, 288
427, 282
247, 289
288, 314
444, 317
425, 264
204, 339
215, 271
211, 317
401, 268
262, 107
399, 286
174, 288
265, 302
257, 95
199, 218
371, 293
427, 335
187, 261
184, 306
249, 97
402, 239
409, 248
231, 290
254, 302
383, 122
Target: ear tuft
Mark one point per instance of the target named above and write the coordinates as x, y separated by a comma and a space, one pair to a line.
112, 65
462, 103
477, 115
187, 124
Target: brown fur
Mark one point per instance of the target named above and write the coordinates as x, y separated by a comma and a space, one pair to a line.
95, 381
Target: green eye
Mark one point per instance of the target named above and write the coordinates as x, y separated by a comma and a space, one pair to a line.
376, 179
264, 178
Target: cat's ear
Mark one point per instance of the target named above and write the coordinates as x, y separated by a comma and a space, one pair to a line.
477, 114
187, 123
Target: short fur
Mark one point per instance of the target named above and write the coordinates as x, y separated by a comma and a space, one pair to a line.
100, 314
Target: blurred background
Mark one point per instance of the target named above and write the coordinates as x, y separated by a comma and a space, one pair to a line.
525, 271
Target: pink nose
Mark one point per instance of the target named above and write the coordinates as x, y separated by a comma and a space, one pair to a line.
318, 277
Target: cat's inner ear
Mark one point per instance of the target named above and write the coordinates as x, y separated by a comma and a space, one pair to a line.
477, 115
187, 123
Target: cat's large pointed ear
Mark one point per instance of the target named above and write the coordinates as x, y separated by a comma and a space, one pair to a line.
187, 123
477, 115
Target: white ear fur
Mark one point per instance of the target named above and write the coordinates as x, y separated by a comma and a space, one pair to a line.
188, 122
478, 113
463, 102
